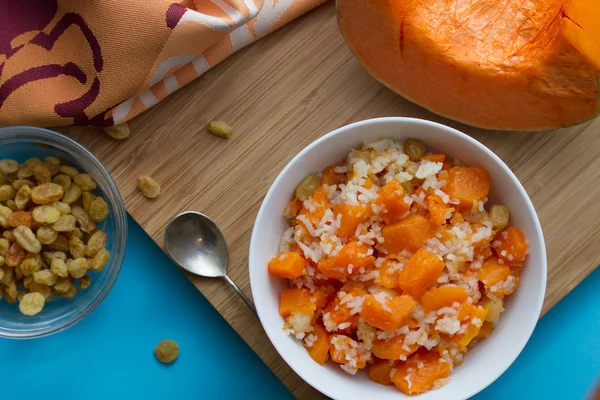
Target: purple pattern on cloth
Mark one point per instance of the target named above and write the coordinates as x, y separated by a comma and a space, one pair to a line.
174, 14
48, 41
75, 108
19, 17
39, 73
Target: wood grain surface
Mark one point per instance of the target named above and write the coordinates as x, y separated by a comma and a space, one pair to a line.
282, 93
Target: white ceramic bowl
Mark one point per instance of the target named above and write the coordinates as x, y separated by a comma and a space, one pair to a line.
491, 357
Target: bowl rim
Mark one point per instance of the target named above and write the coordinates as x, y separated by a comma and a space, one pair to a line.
32, 133
264, 213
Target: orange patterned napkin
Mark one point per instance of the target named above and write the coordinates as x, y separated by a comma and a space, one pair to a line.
102, 62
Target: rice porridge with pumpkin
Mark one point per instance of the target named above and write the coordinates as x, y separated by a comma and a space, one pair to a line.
396, 263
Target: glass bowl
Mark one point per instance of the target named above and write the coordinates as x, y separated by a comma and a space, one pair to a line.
20, 143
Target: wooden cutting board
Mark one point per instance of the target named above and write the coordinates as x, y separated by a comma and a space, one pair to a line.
282, 93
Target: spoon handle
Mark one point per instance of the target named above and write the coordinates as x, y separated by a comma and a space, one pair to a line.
241, 294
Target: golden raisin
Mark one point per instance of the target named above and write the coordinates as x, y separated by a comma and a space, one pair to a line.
408, 187
76, 247
96, 243
19, 183
68, 170
32, 303
307, 187
167, 351
149, 187
63, 208
220, 128
69, 294
10, 203
119, 132
59, 268
100, 260
46, 235
4, 245
25, 171
65, 223
7, 192
40, 288
53, 164
42, 174
84, 220
63, 285
8, 166
23, 196
27, 239
60, 244
29, 266
45, 214
78, 267
84, 282
98, 209
5, 212
49, 256
414, 149
85, 182
32, 162
72, 194
45, 277
20, 218
86, 198
47, 193
63, 180
499, 215
16, 255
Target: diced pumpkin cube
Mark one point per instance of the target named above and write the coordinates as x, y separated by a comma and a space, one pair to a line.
465, 311
379, 372
342, 347
393, 349
356, 288
349, 260
388, 275
389, 317
467, 185
475, 323
293, 209
351, 218
321, 297
296, 300
443, 296
330, 177
435, 158
390, 199
336, 314
320, 205
492, 272
288, 265
438, 209
407, 234
411, 323
511, 245
319, 351
420, 272
426, 369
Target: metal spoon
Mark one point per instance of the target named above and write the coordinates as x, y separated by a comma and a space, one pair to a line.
196, 244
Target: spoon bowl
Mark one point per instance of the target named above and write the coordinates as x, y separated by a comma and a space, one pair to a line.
196, 244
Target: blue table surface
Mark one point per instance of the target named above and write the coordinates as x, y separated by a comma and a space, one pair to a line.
109, 354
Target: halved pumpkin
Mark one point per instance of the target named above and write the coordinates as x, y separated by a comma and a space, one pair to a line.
509, 65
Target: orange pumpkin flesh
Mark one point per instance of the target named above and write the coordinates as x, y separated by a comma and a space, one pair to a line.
509, 65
